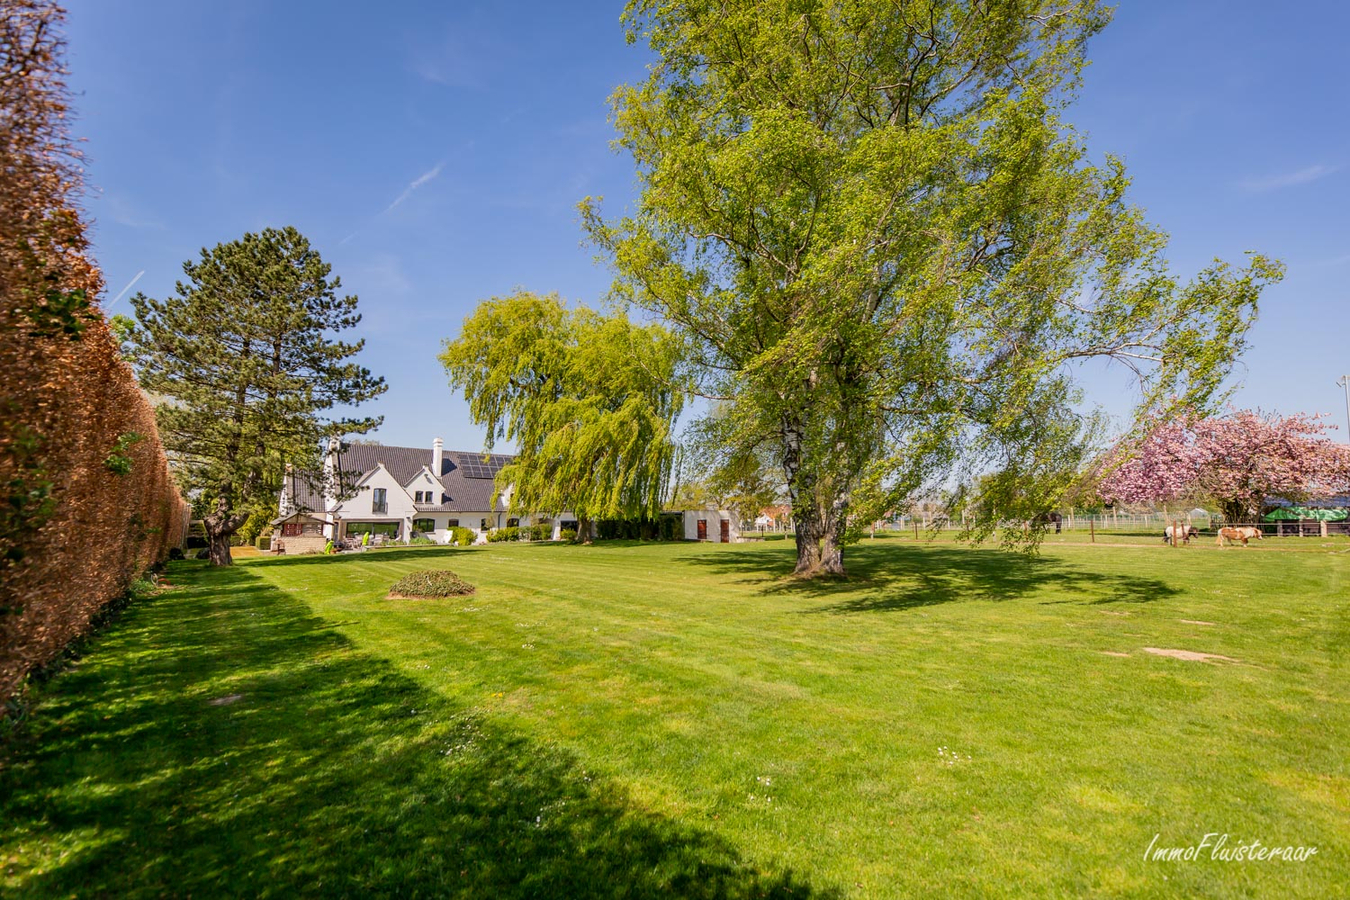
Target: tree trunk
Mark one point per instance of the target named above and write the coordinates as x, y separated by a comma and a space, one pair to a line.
808, 544
805, 513
832, 553
220, 525
220, 550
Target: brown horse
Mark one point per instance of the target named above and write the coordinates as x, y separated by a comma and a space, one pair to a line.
1244, 533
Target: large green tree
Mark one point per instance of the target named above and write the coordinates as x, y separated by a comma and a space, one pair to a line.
888, 250
246, 362
590, 402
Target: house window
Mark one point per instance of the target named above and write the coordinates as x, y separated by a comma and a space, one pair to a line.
453, 523
388, 529
417, 497
512, 523
482, 524
424, 525
291, 529
380, 501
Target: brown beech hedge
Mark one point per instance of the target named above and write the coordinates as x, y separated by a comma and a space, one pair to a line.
87, 503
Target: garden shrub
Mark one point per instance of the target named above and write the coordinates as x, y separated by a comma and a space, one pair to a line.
464, 537
567, 534
511, 533
430, 584
541, 532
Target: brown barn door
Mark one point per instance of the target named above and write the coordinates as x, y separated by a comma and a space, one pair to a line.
702, 529
726, 532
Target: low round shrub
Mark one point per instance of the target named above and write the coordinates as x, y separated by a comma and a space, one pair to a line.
567, 534
462, 537
430, 583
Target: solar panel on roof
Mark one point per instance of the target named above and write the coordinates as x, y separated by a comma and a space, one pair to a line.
478, 467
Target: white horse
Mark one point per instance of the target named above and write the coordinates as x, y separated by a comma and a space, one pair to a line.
1185, 532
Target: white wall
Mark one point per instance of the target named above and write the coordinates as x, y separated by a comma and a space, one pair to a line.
714, 518
399, 503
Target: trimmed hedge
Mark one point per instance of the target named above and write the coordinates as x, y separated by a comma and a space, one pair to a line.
430, 584
661, 528
87, 503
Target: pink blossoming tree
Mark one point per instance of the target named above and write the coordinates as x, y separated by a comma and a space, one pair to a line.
1241, 461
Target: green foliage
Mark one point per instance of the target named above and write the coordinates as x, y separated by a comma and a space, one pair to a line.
541, 531
567, 534
123, 330
588, 400
27, 502
510, 533
719, 468
247, 362
887, 249
61, 314
464, 537
431, 583
117, 461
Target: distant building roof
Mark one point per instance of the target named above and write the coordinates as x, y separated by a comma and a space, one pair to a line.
467, 476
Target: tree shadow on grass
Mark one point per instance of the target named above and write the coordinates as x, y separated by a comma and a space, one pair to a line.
222, 741
893, 578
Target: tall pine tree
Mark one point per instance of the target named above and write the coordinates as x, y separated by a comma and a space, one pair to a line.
246, 364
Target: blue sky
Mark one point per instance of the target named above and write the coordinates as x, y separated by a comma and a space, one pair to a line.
434, 153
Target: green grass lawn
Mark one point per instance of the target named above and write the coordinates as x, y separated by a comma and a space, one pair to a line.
681, 720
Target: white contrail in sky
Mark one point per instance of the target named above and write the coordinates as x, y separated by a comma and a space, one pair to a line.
407, 192
1289, 179
125, 289
417, 183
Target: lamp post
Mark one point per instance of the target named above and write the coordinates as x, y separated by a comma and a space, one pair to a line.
1345, 383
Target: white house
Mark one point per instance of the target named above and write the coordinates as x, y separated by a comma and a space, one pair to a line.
402, 492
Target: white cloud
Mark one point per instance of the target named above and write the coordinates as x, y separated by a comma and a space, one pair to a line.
1288, 179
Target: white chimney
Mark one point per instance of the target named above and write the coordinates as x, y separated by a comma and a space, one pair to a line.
331, 473
437, 454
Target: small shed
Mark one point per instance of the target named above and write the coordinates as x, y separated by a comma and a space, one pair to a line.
715, 525
299, 532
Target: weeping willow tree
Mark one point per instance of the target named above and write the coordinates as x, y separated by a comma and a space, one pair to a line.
589, 401
887, 249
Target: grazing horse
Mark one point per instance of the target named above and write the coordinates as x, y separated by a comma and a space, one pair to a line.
1245, 533
1185, 532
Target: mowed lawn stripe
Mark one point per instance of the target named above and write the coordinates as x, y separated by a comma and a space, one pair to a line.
687, 669
948, 721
